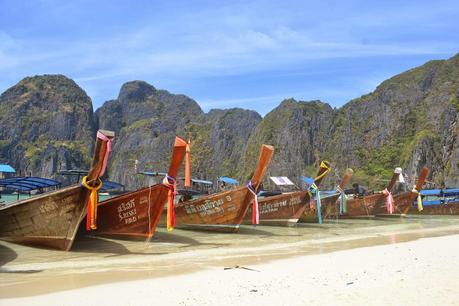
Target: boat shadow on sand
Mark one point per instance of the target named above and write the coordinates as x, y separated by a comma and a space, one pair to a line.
266, 232
117, 247
163, 237
7, 255
107, 245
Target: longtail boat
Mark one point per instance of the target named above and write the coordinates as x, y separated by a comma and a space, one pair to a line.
137, 213
223, 211
437, 202
384, 203
404, 200
52, 219
285, 209
331, 208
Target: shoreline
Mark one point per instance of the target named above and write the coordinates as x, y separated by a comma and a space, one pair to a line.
27, 272
417, 272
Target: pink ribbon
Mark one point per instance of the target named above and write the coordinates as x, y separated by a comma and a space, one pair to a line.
389, 201
107, 151
255, 211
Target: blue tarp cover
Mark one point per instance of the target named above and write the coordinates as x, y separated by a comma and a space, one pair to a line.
27, 183
7, 169
228, 180
440, 192
307, 180
109, 185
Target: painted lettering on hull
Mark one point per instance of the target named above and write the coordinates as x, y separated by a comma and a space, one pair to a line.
127, 212
270, 207
210, 207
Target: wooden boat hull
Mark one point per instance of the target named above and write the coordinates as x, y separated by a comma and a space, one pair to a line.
137, 213
50, 220
280, 210
402, 204
329, 208
364, 206
133, 214
449, 209
221, 212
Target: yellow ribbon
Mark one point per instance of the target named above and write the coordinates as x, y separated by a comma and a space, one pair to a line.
327, 169
419, 199
91, 216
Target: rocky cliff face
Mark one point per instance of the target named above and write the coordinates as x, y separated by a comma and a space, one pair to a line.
219, 142
46, 125
410, 120
299, 133
145, 121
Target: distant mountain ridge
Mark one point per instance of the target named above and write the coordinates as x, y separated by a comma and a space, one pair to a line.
410, 120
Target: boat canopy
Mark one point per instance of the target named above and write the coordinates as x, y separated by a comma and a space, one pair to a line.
152, 173
281, 180
6, 169
440, 192
228, 180
73, 172
201, 182
109, 185
28, 183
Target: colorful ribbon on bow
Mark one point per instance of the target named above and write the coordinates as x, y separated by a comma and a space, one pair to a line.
419, 199
187, 164
91, 216
172, 192
319, 210
389, 201
107, 151
327, 169
255, 212
342, 201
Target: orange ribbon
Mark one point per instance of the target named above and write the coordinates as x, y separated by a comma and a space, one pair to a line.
171, 199
187, 165
91, 216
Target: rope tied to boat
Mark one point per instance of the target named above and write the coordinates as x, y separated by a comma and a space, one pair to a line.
171, 184
319, 210
91, 216
419, 199
107, 151
342, 200
389, 201
255, 211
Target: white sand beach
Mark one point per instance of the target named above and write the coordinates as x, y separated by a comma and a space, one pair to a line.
420, 272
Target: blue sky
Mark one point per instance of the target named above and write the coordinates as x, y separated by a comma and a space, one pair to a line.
223, 54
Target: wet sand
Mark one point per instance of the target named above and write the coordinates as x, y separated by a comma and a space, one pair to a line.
182, 256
